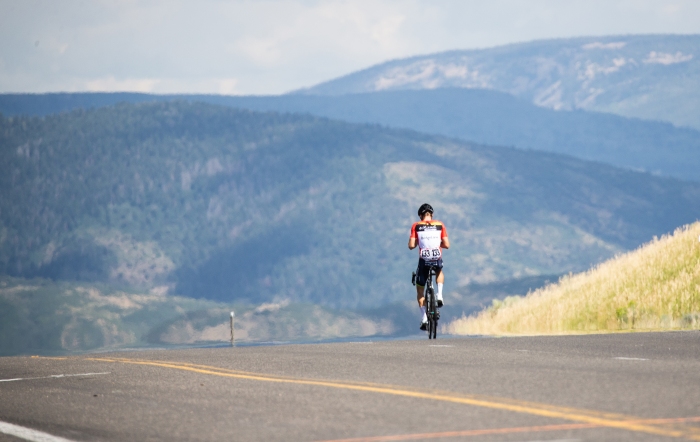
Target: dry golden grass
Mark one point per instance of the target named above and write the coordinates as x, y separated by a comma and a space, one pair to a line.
656, 287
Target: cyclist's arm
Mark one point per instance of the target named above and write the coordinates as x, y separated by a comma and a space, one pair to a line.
411, 243
445, 243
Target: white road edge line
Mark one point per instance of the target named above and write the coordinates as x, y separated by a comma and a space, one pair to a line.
55, 376
630, 359
29, 434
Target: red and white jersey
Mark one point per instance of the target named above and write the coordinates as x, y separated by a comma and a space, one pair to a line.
429, 235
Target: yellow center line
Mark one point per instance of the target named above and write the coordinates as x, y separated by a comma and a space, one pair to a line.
544, 410
483, 432
487, 431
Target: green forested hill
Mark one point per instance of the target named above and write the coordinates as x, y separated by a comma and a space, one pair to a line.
477, 115
234, 205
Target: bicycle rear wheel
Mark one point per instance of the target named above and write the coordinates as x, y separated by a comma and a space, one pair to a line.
431, 307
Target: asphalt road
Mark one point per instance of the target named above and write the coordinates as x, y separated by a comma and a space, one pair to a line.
641, 387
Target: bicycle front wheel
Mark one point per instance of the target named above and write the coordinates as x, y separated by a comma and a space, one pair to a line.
435, 321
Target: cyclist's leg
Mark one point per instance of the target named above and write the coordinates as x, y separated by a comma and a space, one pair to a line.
420, 295
421, 277
440, 280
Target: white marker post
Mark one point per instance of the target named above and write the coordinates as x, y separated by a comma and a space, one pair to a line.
232, 315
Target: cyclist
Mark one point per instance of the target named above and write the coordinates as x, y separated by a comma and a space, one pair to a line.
431, 237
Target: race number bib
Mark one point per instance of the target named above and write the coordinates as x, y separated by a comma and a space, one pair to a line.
430, 254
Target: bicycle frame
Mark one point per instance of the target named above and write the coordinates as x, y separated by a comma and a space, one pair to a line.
430, 303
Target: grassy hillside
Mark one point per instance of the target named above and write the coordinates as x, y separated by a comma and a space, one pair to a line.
482, 116
238, 206
654, 287
645, 76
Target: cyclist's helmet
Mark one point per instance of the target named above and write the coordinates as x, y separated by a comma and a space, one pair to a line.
425, 208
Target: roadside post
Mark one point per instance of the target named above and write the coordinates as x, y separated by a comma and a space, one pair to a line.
232, 341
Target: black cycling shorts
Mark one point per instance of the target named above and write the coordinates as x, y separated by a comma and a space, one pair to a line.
422, 270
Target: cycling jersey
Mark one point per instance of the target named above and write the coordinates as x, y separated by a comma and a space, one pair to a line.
429, 235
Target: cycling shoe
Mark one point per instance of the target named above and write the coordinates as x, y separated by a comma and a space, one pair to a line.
423, 326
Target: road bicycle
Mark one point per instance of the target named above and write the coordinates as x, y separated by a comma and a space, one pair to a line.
430, 302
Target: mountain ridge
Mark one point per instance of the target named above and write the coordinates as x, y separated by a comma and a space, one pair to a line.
644, 76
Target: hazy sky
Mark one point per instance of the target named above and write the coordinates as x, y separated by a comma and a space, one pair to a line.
271, 47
